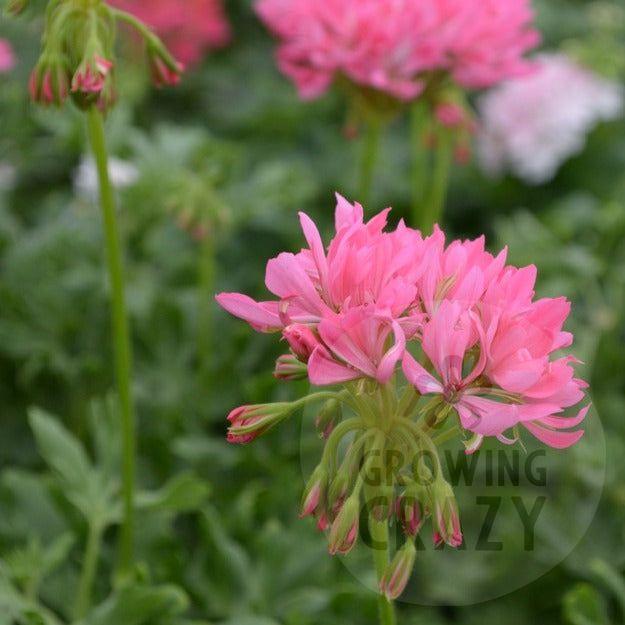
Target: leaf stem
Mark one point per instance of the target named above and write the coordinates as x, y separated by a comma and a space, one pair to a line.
89, 569
433, 208
121, 336
369, 157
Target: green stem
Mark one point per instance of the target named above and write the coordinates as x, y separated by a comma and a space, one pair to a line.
89, 569
380, 545
369, 157
433, 209
121, 336
205, 318
419, 128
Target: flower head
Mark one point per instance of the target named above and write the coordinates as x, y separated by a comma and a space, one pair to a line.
534, 123
395, 46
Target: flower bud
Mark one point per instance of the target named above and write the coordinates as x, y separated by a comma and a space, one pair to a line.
314, 493
15, 7
164, 69
289, 368
381, 501
91, 76
398, 572
301, 340
339, 489
49, 81
249, 422
410, 511
329, 416
445, 514
344, 530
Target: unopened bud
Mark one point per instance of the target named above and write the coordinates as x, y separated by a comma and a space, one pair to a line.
344, 530
328, 418
410, 510
15, 7
49, 81
381, 501
249, 422
445, 515
301, 339
339, 489
289, 368
398, 572
165, 70
315, 491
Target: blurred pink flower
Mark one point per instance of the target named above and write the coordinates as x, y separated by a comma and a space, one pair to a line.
189, 28
533, 124
391, 45
7, 58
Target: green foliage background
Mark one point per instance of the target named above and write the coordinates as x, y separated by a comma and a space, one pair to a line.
233, 147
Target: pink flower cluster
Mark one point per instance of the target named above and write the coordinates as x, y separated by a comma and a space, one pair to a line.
462, 324
189, 29
7, 59
391, 45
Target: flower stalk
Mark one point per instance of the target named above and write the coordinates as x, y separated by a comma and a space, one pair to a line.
121, 335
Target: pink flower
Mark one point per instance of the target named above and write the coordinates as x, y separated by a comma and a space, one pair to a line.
7, 58
189, 29
395, 45
91, 76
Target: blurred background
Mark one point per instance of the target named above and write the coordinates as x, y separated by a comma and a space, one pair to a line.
210, 177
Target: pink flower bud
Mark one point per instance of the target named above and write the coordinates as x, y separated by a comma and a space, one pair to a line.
409, 512
344, 530
249, 422
301, 340
164, 74
315, 492
446, 516
7, 58
398, 572
450, 114
91, 75
328, 417
289, 368
49, 82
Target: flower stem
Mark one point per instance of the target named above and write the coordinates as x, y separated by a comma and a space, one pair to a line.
433, 208
89, 569
205, 319
380, 545
369, 157
419, 127
121, 336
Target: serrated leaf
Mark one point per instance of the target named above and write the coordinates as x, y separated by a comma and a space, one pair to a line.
183, 493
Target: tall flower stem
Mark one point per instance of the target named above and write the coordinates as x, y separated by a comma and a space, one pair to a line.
380, 544
419, 127
433, 208
89, 569
206, 276
369, 158
121, 336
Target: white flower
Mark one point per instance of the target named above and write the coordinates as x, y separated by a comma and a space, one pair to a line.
532, 125
122, 173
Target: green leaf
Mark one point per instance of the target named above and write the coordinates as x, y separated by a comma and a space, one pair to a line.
136, 605
183, 493
585, 606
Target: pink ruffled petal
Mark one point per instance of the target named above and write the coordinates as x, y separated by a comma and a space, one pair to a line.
324, 370
262, 316
554, 438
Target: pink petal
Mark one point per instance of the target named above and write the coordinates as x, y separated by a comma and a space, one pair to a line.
323, 370
557, 440
262, 316
425, 383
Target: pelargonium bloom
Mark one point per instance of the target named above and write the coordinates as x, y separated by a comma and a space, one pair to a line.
7, 58
189, 29
531, 125
394, 45
356, 309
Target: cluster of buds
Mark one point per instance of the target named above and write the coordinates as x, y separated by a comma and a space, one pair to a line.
78, 51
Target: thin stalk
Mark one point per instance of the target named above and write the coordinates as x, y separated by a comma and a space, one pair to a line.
89, 569
419, 128
369, 157
205, 318
433, 208
380, 544
121, 336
